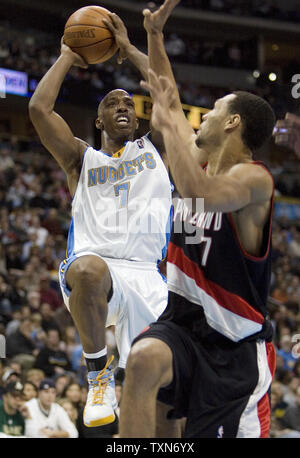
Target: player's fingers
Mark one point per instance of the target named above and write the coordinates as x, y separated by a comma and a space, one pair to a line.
147, 13
169, 5
109, 25
149, 87
154, 80
121, 57
145, 85
165, 83
117, 21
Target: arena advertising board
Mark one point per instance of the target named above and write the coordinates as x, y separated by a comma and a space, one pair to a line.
13, 82
143, 106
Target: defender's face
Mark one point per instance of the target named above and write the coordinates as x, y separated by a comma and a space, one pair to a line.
213, 122
117, 114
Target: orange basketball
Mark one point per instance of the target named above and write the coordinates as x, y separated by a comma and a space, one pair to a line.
87, 35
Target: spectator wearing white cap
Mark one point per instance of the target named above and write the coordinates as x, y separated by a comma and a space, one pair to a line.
47, 418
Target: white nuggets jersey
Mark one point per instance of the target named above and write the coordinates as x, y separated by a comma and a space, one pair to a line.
122, 205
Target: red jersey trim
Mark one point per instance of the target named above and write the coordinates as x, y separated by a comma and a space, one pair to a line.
224, 298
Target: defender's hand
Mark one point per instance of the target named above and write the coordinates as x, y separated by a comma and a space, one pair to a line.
118, 29
154, 22
162, 94
77, 60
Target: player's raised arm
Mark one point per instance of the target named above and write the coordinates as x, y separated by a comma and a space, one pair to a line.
160, 64
54, 132
126, 48
245, 184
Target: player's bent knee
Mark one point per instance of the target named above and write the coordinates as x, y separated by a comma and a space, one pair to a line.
88, 271
150, 360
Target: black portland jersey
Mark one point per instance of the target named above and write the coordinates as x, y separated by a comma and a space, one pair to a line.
211, 277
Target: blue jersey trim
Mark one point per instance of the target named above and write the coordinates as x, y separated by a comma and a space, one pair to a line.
70, 243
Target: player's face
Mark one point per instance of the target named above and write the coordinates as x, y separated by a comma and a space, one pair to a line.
117, 115
211, 129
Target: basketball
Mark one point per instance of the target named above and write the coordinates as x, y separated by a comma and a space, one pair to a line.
87, 35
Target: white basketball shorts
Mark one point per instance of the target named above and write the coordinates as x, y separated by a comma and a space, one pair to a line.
140, 295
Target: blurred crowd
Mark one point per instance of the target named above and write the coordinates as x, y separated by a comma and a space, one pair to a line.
41, 338
34, 54
266, 9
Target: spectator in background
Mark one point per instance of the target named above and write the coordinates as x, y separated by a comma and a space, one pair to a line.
294, 245
278, 408
61, 382
47, 418
9, 376
12, 422
291, 419
48, 294
14, 257
286, 352
70, 340
14, 323
34, 376
51, 360
34, 300
38, 334
290, 392
52, 223
20, 342
72, 392
70, 409
175, 46
36, 228
48, 321
30, 391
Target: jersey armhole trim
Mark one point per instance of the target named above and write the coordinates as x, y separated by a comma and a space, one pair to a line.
82, 161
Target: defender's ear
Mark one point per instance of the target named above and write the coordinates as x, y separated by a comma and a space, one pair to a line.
232, 122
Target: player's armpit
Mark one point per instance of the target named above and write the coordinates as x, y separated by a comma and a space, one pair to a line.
245, 184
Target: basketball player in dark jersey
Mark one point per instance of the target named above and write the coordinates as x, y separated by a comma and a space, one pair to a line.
209, 357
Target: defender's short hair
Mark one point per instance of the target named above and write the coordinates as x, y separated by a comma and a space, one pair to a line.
257, 116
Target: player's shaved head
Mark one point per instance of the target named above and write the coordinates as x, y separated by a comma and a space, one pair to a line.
114, 92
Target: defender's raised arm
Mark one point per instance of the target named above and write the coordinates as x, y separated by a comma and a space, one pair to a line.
160, 64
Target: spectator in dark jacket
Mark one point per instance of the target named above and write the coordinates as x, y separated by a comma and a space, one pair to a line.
20, 341
51, 359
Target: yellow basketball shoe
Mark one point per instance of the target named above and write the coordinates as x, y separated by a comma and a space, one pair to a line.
101, 400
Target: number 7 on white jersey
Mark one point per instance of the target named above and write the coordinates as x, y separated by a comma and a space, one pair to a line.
123, 191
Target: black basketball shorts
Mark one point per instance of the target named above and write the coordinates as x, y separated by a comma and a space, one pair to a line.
220, 386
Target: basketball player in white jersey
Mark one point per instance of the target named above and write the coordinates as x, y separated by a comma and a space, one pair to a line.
120, 223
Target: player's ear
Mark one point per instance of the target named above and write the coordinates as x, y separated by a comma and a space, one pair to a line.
99, 124
232, 122
137, 123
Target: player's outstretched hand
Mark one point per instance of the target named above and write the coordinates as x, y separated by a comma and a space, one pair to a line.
287, 132
154, 22
162, 94
118, 29
78, 61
